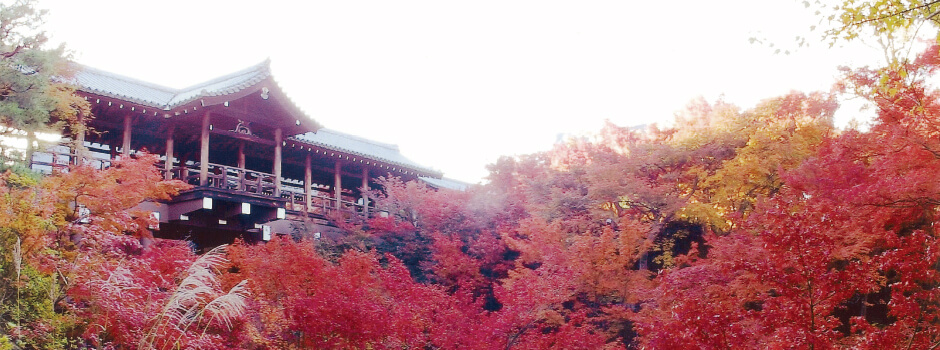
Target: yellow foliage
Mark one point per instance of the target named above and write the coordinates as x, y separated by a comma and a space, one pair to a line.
778, 135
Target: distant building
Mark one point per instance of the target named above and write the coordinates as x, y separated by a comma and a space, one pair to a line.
258, 164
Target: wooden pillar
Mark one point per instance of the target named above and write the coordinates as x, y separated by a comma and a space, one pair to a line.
184, 170
338, 183
277, 161
168, 165
78, 131
204, 152
112, 148
241, 165
31, 148
126, 145
365, 191
241, 154
308, 182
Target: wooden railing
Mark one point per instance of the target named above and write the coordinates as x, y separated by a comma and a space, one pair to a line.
227, 178
221, 177
261, 183
60, 157
48, 162
237, 179
321, 204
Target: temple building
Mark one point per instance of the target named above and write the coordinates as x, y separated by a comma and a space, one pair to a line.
259, 166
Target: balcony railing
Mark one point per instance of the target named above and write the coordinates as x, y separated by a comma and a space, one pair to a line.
322, 204
229, 178
261, 183
60, 157
223, 177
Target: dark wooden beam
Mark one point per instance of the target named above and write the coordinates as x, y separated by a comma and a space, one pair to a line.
338, 183
79, 134
365, 190
241, 154
308, 181
245, 137
204, 151
126, 145
168, 165
277, 161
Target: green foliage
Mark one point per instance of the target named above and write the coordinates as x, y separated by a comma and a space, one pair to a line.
30, 311
20, 175
34, 95
27, 69
33, 299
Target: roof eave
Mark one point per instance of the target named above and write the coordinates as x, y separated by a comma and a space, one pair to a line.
420, 171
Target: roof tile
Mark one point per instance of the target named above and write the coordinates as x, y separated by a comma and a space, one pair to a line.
152, 95
342, 142
117, 86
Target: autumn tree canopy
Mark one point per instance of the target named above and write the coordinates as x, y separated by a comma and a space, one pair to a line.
757, 227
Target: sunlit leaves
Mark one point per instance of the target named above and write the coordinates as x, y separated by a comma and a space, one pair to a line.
843, 253
892, 19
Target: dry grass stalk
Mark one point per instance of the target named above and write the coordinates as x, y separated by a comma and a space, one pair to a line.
198, 294
18, 257
18, 265
230, 306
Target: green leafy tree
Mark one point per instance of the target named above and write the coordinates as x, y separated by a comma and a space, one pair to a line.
34, 91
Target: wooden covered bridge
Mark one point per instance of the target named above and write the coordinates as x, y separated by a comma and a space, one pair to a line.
258, 164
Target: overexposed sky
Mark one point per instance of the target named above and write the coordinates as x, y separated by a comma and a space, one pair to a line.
456, 84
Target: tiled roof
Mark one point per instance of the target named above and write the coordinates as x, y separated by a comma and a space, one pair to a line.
129, 89
225, 85
109, 84
445, 183
342, 142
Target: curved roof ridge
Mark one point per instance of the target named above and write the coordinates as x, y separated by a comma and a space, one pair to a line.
226, 84
263, 68
116, 85
288, 99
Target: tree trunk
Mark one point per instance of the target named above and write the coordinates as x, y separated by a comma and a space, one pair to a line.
30, 149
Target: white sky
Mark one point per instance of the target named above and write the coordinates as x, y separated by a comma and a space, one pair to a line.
456, 84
